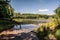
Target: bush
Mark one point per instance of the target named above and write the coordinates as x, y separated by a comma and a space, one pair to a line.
45, 30
57, 34
41, 33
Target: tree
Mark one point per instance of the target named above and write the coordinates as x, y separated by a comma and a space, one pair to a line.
57, 11
6, 11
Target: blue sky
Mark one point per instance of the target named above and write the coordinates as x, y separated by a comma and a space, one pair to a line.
35, 6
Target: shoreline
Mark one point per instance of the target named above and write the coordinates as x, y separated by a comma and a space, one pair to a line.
18, 34
12, 32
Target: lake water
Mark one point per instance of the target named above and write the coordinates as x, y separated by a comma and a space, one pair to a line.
27, 27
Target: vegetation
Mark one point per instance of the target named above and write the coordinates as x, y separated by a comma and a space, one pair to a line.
30, 16
49, 31
6, 13
57, 34
45, 30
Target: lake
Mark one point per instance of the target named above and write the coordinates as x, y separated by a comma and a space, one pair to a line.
27, 27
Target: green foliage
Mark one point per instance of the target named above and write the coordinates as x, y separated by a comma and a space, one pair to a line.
6, 13
50, 28
57, 11
57, 16
30, 16
6, 10
42, 32
57, 34
47, 30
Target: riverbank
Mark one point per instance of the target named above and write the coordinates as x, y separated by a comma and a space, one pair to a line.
12, 32
18, 35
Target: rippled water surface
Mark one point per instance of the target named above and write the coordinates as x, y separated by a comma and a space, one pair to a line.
25, 26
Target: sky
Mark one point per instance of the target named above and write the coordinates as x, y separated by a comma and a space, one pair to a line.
35, 6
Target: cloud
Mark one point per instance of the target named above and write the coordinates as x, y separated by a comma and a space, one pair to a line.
43, 10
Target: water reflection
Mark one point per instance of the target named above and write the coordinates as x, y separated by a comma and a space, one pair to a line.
17, 26
25, 26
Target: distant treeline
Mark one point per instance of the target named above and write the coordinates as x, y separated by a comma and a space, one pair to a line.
30, 16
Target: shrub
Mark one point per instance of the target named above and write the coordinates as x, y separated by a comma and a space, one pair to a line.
57, 34
41, 33
46, 29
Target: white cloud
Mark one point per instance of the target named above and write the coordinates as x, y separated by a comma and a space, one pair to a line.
43, 10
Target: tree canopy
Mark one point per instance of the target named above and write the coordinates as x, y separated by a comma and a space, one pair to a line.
6, 11
57, 11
